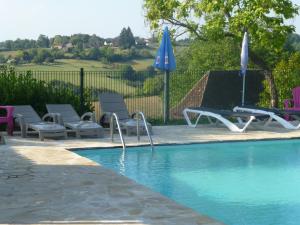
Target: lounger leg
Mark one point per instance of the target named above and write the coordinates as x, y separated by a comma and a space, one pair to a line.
240, 121
23, 131
188, 120
268, 121
231, 126
41, 136
99, 133
197, 120
209, 120
77, 134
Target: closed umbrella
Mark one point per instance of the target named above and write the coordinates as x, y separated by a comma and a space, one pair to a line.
244, 63
165, 61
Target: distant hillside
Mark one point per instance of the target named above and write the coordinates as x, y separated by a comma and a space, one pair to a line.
45, 50
126, 39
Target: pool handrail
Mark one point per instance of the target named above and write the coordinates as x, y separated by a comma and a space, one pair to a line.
114, 117
146, 126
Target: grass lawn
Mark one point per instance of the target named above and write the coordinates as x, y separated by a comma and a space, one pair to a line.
8, 53
95, 80
142, 64
92, 79
88, 65
151, 106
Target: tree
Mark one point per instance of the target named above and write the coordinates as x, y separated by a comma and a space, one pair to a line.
153, 85
128, 73
42, 55
2, 59
286, 77
93, 53
126, 38
293, 43
43, 41
209, 55
95, 41
265, 21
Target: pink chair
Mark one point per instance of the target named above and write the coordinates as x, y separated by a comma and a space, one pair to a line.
293, 104
8, 119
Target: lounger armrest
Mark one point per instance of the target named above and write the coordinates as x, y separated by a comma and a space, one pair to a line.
58, 119
133, 115
90, 115
21, 122
106, 114
105, 118
136, 114
288, 103
19, 119
51, 116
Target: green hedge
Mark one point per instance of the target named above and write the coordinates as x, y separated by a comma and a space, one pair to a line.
286, 76
23, 89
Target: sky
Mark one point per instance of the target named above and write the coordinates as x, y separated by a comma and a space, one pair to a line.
105, 18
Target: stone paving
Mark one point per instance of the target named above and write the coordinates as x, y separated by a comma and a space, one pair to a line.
43, 183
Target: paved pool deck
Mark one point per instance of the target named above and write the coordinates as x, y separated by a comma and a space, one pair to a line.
44, 183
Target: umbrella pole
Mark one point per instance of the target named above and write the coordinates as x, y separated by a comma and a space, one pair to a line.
166, 96
243, 93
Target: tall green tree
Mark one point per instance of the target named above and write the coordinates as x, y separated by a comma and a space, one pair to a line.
126, 38
43, 41
265, 21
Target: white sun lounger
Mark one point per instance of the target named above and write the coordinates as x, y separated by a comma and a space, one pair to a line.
274, 114
219, 115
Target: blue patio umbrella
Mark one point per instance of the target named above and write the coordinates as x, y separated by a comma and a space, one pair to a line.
165, 61
244, 63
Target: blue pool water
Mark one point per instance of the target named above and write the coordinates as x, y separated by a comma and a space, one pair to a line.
245, 183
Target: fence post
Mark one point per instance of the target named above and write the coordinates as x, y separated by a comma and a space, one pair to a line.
81, 89
166, 97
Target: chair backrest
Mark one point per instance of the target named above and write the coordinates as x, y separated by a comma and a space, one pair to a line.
66, 111
8, 113
28, 113
113, 103
296, 97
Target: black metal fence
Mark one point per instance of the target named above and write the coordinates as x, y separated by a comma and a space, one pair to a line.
142, 91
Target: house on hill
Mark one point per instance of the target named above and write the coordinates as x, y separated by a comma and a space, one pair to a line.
65, 47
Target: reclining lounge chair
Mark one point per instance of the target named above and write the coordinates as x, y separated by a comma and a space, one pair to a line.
114, 103
28, 119
220, 115
68, 117
273, 114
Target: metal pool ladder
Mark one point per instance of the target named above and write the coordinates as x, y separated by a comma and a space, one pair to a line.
146, 126
114, 118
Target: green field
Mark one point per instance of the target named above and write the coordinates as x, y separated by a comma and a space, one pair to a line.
8, 53
92, 79
88, 65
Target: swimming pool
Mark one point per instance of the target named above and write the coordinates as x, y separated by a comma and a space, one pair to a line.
241, 183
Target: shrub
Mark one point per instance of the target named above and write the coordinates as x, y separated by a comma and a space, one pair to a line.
153, 86
286, 76
128, 73
2, 59
23, 89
